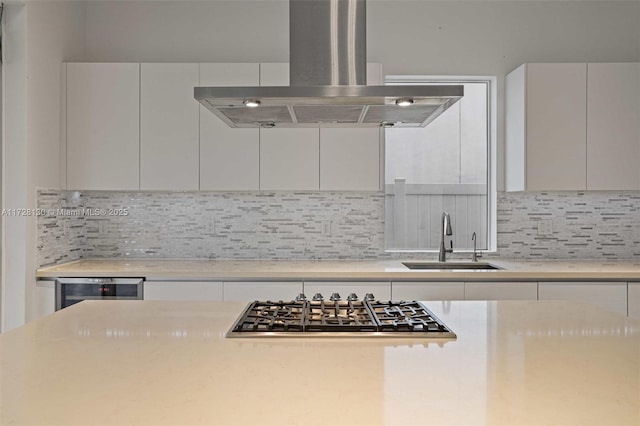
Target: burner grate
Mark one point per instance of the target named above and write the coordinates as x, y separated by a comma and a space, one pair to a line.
405, 317
338, 317
272, 316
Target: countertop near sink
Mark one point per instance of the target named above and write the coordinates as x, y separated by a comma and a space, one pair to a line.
392, 270
162, 363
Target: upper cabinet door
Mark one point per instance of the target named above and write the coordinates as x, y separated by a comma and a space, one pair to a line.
289, 158
546, 127
573, 127
349, 159
374, 74
103, 118
556, 126
169, 137
613, 126
229, 158
274, 74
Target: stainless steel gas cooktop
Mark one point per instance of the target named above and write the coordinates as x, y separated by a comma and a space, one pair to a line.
339, 318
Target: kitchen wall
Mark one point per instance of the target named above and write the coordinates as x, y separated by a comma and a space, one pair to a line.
339, 225
14, 133
38, 37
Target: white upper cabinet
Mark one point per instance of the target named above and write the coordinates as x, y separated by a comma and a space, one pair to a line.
169, 137
573, 127
349, 159
546, 127
374, 74
274, 74
613, 126
229, 158
289, 158
138, 126
103, 126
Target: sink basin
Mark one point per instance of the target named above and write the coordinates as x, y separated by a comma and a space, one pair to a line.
450, 265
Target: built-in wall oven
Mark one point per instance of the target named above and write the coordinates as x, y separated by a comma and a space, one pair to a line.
74, 290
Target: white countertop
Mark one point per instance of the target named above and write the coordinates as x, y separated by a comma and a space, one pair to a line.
230, 270
168, 363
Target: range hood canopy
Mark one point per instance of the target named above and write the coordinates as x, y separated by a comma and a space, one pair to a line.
328, 77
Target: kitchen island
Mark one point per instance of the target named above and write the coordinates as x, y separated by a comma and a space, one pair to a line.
169, 363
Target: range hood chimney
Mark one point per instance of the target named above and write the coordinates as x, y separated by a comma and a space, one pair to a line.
328, 42
327, 47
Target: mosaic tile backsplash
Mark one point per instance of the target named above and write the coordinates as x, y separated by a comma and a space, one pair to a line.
591, 225
323, 225
217, 225
60, 232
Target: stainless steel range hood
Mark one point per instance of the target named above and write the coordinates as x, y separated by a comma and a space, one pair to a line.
327, 42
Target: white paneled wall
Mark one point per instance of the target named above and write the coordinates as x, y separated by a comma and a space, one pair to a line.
414, 216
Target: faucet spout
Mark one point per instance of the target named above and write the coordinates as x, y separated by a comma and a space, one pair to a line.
476, 255
446, 230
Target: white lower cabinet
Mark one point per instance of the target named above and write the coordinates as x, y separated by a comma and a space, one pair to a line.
501, 290
607, 295
183, 290
244, 291
633, 302
427, 290
381, 290
45, 298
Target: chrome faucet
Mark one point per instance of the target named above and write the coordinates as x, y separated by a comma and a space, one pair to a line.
476, 255
446, 230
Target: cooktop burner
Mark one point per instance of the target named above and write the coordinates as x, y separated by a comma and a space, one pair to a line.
338, 318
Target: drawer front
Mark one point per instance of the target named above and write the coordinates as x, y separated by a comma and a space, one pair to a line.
248, 291
501, 290
427, 290
183, 290
608, 295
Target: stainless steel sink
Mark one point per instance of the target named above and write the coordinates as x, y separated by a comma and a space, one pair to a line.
450, 265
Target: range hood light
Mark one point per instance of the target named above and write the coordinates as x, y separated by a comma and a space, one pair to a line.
404, 102
251, 103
